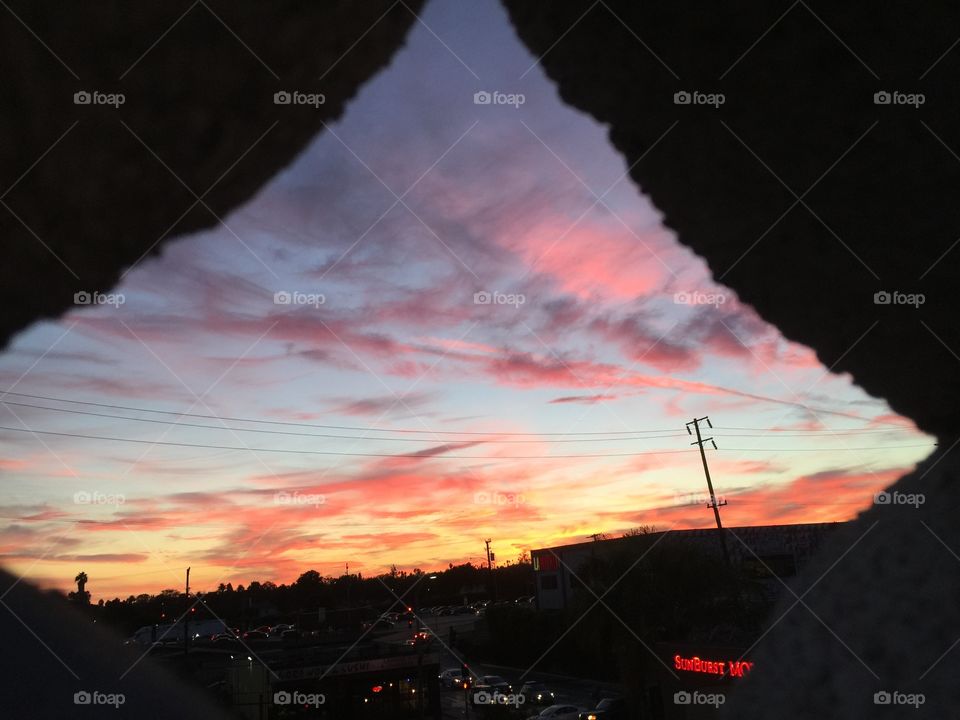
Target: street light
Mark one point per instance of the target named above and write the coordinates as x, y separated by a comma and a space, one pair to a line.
416, 601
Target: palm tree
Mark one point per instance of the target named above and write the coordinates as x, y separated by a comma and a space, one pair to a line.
81, 595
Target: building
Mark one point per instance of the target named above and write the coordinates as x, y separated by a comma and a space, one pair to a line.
767, 552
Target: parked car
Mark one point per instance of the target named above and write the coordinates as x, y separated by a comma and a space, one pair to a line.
494, 682
536, 693
560, 712
451, 678
255, 635
607, 709
226, 638
463, 610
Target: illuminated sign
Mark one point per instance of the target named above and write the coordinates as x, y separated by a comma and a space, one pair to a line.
545, 561
729, 668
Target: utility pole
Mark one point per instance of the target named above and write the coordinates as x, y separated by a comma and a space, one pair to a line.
186, 618
706, 471
493, 591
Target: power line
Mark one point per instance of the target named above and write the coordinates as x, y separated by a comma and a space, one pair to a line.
323, 426
830, 449
359, 428
802, 431
805, 435
177, 423
412, 455
424, 455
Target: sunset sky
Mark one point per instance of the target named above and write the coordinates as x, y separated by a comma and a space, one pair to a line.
456, 419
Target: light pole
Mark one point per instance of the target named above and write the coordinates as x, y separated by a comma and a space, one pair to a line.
416, 601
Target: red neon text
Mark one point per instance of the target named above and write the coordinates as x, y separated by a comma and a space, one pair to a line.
732, 668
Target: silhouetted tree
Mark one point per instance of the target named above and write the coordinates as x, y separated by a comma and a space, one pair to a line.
81, 595
640, 530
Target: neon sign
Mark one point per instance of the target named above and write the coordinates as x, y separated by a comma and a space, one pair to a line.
545, 561
730, 668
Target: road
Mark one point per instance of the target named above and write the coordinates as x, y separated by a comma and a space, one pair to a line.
438, 626
572, 690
